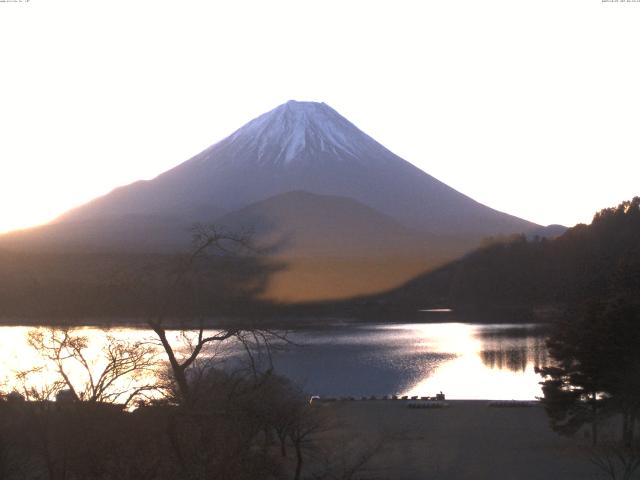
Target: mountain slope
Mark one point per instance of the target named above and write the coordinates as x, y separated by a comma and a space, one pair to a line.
150, 233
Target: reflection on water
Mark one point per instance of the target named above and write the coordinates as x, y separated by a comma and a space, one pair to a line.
515, 353
463, 360
469, 361
24, 369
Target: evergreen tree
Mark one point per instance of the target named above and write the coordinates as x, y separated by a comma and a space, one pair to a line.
597, 367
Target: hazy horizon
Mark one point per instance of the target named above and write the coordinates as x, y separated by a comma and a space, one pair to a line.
526, 118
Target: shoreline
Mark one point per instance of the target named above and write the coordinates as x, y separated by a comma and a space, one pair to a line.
301, 324
447, 402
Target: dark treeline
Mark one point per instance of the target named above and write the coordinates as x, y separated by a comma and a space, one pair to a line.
89, 287
586, 261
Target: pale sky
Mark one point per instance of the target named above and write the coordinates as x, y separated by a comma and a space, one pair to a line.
529, 106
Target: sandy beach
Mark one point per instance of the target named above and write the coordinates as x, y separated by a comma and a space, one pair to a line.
468, 439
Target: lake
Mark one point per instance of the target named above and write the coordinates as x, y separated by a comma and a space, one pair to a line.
463, 360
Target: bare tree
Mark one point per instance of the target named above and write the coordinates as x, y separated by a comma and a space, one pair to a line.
191, 275
122, 373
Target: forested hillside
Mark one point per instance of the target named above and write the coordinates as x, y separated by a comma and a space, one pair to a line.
600, 259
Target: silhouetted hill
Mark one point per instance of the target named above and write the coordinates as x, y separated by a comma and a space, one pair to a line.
302, 223
336, 247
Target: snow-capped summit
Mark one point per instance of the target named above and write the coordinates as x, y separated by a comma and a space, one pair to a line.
297, 131
296, 127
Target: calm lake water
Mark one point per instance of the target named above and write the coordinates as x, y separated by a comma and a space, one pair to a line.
463, 360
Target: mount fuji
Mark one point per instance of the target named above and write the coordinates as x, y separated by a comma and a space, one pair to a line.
357, 218
303, 146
